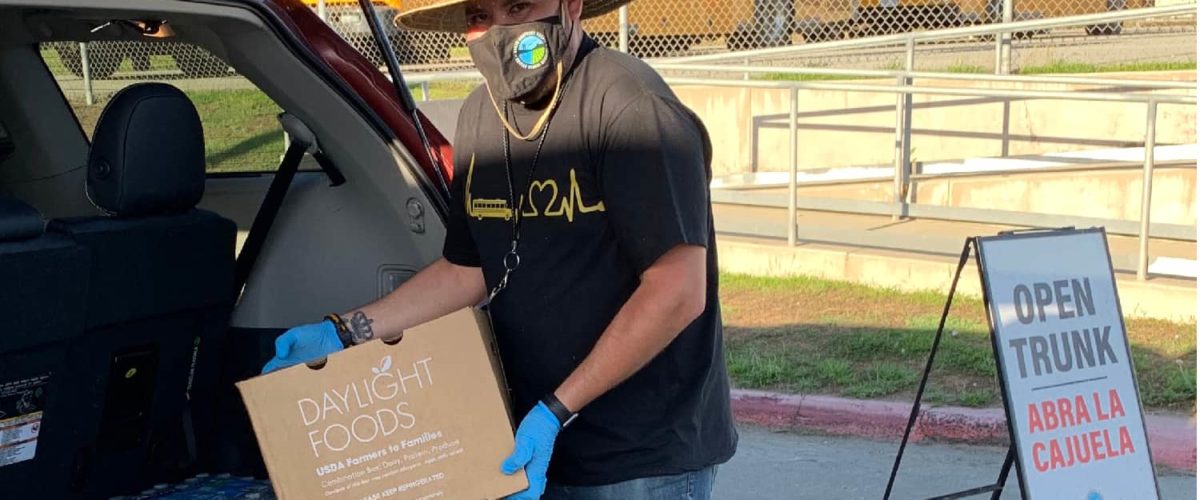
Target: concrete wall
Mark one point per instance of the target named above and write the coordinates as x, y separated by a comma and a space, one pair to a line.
1113, 194
837, 128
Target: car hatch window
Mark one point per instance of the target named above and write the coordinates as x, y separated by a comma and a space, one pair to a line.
241, 133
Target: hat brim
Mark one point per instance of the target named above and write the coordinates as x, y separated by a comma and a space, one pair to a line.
451, 16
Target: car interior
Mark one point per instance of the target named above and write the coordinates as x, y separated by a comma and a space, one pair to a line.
132, 301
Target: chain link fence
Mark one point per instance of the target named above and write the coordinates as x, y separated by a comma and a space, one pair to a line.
670, 28
1148, 44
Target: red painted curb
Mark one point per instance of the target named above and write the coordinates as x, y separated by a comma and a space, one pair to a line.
1172, 438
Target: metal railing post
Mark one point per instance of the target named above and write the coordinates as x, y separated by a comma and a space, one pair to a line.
623, 29
998, 56
321, 9
1004, 49
910, 54
85, 68
425, 91
903, 144
793, 161
1147, 187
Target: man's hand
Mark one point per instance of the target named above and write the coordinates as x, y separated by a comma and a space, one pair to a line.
304, 343
534, 444
439, 289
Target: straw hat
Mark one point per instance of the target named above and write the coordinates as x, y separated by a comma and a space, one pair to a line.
450, 15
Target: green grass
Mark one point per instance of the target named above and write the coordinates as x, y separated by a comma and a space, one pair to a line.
793, 77
1061, 67
813, 335
882, 379
976, 397
241, 130
835, 371
811, 285
450, 89
965, 68
762, 369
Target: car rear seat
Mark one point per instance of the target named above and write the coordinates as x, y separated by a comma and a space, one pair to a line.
43, 285
159, 300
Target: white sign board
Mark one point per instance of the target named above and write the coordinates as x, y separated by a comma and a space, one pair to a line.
1064, 363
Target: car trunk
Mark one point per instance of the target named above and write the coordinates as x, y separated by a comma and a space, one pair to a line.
329, 249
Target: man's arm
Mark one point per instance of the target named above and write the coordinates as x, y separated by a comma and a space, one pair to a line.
671, 295
438, 290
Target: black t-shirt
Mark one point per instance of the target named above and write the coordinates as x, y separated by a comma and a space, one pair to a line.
621, 179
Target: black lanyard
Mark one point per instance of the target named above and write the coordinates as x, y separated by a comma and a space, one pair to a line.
512, 259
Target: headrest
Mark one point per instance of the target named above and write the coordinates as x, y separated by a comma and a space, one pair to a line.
19, 221
147, 155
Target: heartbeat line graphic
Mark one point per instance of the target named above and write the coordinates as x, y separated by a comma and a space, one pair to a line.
496, 208
569, 204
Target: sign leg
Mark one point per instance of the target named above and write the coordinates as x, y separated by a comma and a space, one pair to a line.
1004, 470
937, 338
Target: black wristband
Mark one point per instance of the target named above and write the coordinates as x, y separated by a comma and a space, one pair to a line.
560, 411
343, 332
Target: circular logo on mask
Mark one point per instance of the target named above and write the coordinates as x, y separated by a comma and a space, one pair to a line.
530, 50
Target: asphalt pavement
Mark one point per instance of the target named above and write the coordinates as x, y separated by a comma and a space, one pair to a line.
771, 465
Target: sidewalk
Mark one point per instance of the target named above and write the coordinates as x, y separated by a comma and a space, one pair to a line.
792, 466
1172, 437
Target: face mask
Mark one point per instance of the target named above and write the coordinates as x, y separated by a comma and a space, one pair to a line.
516, 59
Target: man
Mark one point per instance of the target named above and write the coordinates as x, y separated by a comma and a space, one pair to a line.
580, 215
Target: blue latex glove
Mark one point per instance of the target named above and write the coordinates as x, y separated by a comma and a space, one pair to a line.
304, 343
534, 444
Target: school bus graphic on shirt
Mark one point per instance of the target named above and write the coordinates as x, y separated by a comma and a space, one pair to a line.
482, 208
543, 196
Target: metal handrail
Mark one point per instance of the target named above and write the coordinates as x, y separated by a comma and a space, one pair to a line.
425, 78
989, 29
904, 132
932, 75
746, 186
1081, 95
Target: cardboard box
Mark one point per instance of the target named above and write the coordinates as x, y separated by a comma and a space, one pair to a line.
424, 418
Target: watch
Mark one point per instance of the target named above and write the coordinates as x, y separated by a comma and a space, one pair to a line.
560, 411
343, 332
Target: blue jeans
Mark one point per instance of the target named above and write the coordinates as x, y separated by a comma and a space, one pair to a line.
695, 485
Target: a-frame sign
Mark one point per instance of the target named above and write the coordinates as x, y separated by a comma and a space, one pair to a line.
1066, 374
